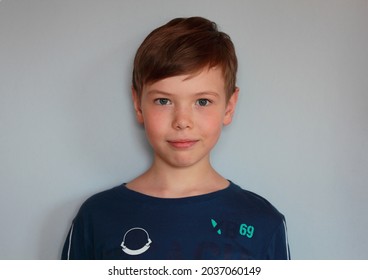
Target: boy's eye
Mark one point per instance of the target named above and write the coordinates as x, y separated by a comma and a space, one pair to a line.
203, 102
162, 101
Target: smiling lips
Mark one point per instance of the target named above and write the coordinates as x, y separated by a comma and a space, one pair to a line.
182, 144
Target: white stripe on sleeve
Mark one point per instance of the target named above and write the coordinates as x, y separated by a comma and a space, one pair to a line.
286, 241
70, 241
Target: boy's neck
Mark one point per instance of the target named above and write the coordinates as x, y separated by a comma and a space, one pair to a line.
165, 181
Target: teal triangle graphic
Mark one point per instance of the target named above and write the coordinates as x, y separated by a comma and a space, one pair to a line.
214, 224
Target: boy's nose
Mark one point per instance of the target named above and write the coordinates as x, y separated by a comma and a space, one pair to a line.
182, 119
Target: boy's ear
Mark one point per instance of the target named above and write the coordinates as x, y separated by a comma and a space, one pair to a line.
137, 106
230, 107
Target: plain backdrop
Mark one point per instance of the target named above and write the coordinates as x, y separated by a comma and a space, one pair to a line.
299, 138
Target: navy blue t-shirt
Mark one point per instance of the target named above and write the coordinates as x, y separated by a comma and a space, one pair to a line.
228, 224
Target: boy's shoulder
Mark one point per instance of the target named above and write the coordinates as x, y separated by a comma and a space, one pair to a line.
252, 202
103, 199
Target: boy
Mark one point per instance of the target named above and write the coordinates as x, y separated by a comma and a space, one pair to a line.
184, 92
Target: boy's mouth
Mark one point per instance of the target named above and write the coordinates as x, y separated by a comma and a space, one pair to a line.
182, 144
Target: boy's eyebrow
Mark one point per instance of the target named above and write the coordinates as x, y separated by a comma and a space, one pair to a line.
201, 93
154, 91
208, 93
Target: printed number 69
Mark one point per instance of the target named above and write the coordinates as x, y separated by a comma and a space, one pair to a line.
246, 230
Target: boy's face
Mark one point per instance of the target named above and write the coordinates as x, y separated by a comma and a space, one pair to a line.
184, 115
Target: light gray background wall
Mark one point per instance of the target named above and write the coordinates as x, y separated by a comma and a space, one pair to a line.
299, 138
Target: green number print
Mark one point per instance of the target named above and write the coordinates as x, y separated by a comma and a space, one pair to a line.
246, 230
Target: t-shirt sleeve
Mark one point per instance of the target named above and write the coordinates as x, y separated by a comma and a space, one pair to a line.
77, 244
278, 248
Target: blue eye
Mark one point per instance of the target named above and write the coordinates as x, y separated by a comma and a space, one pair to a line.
203, 102
162, 101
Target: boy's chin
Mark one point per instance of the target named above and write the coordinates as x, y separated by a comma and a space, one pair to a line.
183, 162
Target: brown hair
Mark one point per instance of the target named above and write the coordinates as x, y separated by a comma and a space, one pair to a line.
184, 46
